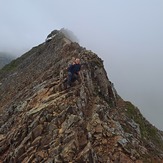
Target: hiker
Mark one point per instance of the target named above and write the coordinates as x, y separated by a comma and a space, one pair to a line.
70, 64
73, 72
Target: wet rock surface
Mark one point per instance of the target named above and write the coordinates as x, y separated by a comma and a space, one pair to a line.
42, 121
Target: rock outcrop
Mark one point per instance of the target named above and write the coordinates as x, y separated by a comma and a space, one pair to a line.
42, 121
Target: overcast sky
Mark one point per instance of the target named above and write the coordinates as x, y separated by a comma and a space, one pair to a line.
126, 34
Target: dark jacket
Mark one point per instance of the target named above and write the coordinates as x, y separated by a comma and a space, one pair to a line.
74, 69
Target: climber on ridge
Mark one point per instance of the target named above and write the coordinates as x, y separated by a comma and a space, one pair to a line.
73, 72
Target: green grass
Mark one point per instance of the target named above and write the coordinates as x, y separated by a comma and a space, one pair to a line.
9, 67
15, 63
148, 132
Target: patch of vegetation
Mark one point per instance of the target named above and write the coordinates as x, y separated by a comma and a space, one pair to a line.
5, 58
148, 131
15, 63
9, 67
96, 63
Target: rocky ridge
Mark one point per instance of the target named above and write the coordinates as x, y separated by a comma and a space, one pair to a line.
42, 121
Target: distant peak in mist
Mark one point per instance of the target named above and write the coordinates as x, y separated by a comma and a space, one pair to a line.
68, 34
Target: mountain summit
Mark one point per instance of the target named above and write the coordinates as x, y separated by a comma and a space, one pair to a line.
43, 121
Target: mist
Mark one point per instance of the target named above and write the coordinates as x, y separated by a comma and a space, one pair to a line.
126, 34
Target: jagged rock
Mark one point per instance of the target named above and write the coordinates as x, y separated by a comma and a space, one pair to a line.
135, 126
37, 131
2, 137
122, 142
98, 128
42, 121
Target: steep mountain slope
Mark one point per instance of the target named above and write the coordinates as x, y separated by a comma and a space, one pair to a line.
42, 121
5, 59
